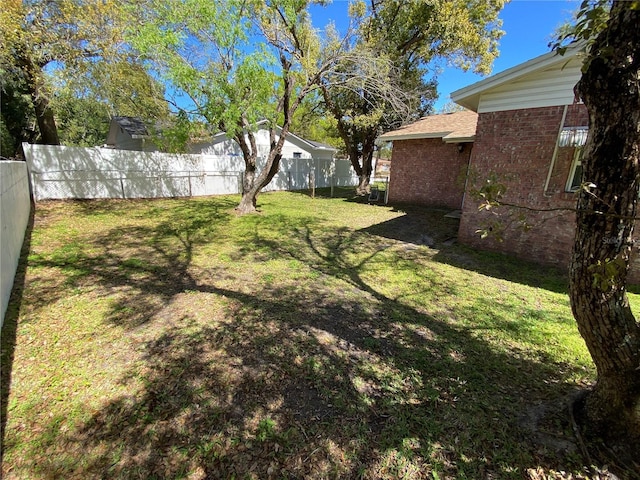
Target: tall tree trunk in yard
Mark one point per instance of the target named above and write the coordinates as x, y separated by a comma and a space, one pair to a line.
606, 211
368, 147
252, 182
249, 193
252, 185
363, 179
44, 114
249, 149
45, 119
363, 170
363, 187
359, 142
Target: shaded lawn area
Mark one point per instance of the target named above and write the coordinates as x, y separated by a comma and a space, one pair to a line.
321, 338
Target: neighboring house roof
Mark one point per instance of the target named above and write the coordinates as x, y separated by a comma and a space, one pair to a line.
126, 133
454, 127
133, 126
308, 144
544, 81
312, 145
318, 145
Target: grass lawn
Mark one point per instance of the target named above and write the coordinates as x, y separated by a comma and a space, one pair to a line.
321, 338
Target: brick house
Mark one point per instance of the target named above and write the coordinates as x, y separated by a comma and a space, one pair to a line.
529, 137
430, 159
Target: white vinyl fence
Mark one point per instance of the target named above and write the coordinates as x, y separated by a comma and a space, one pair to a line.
72, 172
14, 218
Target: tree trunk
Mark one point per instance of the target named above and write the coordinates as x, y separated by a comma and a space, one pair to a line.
252, 186
253, 183
363, 187
364, 174
248, 202
364, 169
606, 213
44, 114
361, 170
46, 120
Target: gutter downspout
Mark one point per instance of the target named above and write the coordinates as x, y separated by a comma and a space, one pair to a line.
555, 152
466, 177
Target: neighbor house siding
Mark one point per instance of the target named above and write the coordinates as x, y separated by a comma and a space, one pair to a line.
516, 147
428, 172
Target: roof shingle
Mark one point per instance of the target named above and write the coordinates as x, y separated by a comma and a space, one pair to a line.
132, 125
451, 127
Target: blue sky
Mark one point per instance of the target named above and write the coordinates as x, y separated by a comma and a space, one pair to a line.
528, 26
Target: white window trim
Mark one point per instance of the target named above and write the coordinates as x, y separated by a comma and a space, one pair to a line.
577, 161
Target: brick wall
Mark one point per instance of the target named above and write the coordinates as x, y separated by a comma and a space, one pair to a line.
428, 172
517, 147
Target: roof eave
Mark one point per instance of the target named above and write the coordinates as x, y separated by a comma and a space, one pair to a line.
460, 139
326, 149
222, 136
413, 136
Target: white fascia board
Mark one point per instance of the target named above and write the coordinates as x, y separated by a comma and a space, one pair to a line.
413, 136
539, 103
449, 139
469, 96
219, 137
298, 141
326, 149
301, 142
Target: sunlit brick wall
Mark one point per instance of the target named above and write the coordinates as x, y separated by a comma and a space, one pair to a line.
428, 172
516, 147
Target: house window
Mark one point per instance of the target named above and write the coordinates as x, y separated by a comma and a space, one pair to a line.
297, 154
575, 175
573, 137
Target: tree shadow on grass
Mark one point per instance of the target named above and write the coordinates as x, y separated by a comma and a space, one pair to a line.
332, 393
423, 226
319, 374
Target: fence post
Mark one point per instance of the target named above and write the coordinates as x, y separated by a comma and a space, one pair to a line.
33, 186
386, 190
122, 187
312, 184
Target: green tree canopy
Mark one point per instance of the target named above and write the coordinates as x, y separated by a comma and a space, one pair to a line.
236, 63
60, 33
73, 50
85, 98
407, 36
